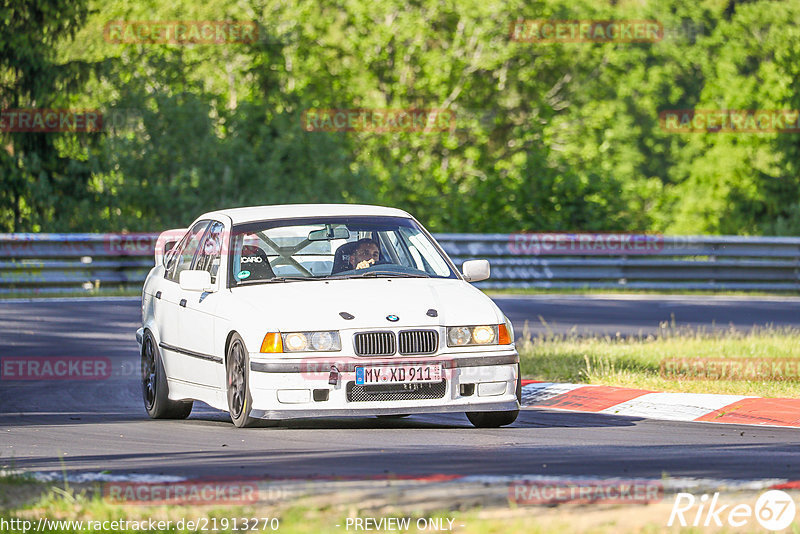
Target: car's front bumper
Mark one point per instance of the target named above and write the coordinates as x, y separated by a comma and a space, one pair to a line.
473, 382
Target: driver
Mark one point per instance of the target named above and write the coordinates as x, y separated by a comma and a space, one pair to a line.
366, 253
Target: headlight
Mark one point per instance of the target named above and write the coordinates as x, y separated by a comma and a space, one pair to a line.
326, 341
295, 342
459, 336
484, 335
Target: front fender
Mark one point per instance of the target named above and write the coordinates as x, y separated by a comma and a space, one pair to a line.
244, 319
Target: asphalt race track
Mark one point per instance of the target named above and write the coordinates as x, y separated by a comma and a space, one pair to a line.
100, 425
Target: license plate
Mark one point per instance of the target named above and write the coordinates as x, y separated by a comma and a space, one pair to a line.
399, 374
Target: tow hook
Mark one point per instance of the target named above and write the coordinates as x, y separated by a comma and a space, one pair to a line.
333, 377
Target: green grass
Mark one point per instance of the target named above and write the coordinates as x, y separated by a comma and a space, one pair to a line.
636, 361
12, 477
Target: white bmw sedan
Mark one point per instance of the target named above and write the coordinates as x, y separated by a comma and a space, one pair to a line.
280, 312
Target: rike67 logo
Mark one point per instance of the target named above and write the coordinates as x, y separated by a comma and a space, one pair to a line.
773, 510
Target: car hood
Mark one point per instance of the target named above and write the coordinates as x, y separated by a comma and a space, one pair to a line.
292, 306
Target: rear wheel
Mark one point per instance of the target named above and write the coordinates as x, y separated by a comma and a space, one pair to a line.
155, 391
497, 419
240, 402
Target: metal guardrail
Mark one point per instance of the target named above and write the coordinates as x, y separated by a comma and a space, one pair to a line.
60, 263
636, 261
55, 263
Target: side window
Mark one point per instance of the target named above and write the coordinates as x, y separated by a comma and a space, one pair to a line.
181, 260
424, 253
208, 257
398, 249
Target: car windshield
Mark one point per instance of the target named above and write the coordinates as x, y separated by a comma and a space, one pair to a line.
324, 248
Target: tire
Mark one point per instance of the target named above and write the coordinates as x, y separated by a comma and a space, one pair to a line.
240, 401
155, 392
497, 419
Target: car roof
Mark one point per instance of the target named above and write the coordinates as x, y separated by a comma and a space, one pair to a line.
290, 211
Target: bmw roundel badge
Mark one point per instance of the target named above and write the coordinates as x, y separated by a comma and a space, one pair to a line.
392, 318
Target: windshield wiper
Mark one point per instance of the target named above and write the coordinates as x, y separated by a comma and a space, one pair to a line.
292, 278
376, 274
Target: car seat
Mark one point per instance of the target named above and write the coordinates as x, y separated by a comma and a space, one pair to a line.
256, 261
341, 258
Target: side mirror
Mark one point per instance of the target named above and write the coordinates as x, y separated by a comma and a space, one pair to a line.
475, 270
196, 281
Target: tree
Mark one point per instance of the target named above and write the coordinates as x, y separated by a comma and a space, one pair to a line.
42, 173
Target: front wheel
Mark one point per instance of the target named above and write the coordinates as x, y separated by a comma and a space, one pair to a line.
155, 392
497, 419
240, 401
492, 419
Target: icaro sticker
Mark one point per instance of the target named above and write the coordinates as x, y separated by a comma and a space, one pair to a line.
242, 275
251, 259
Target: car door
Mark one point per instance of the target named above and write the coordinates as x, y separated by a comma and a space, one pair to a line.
176, 364
197, 314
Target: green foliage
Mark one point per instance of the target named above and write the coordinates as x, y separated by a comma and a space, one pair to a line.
547, 136
42, 175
